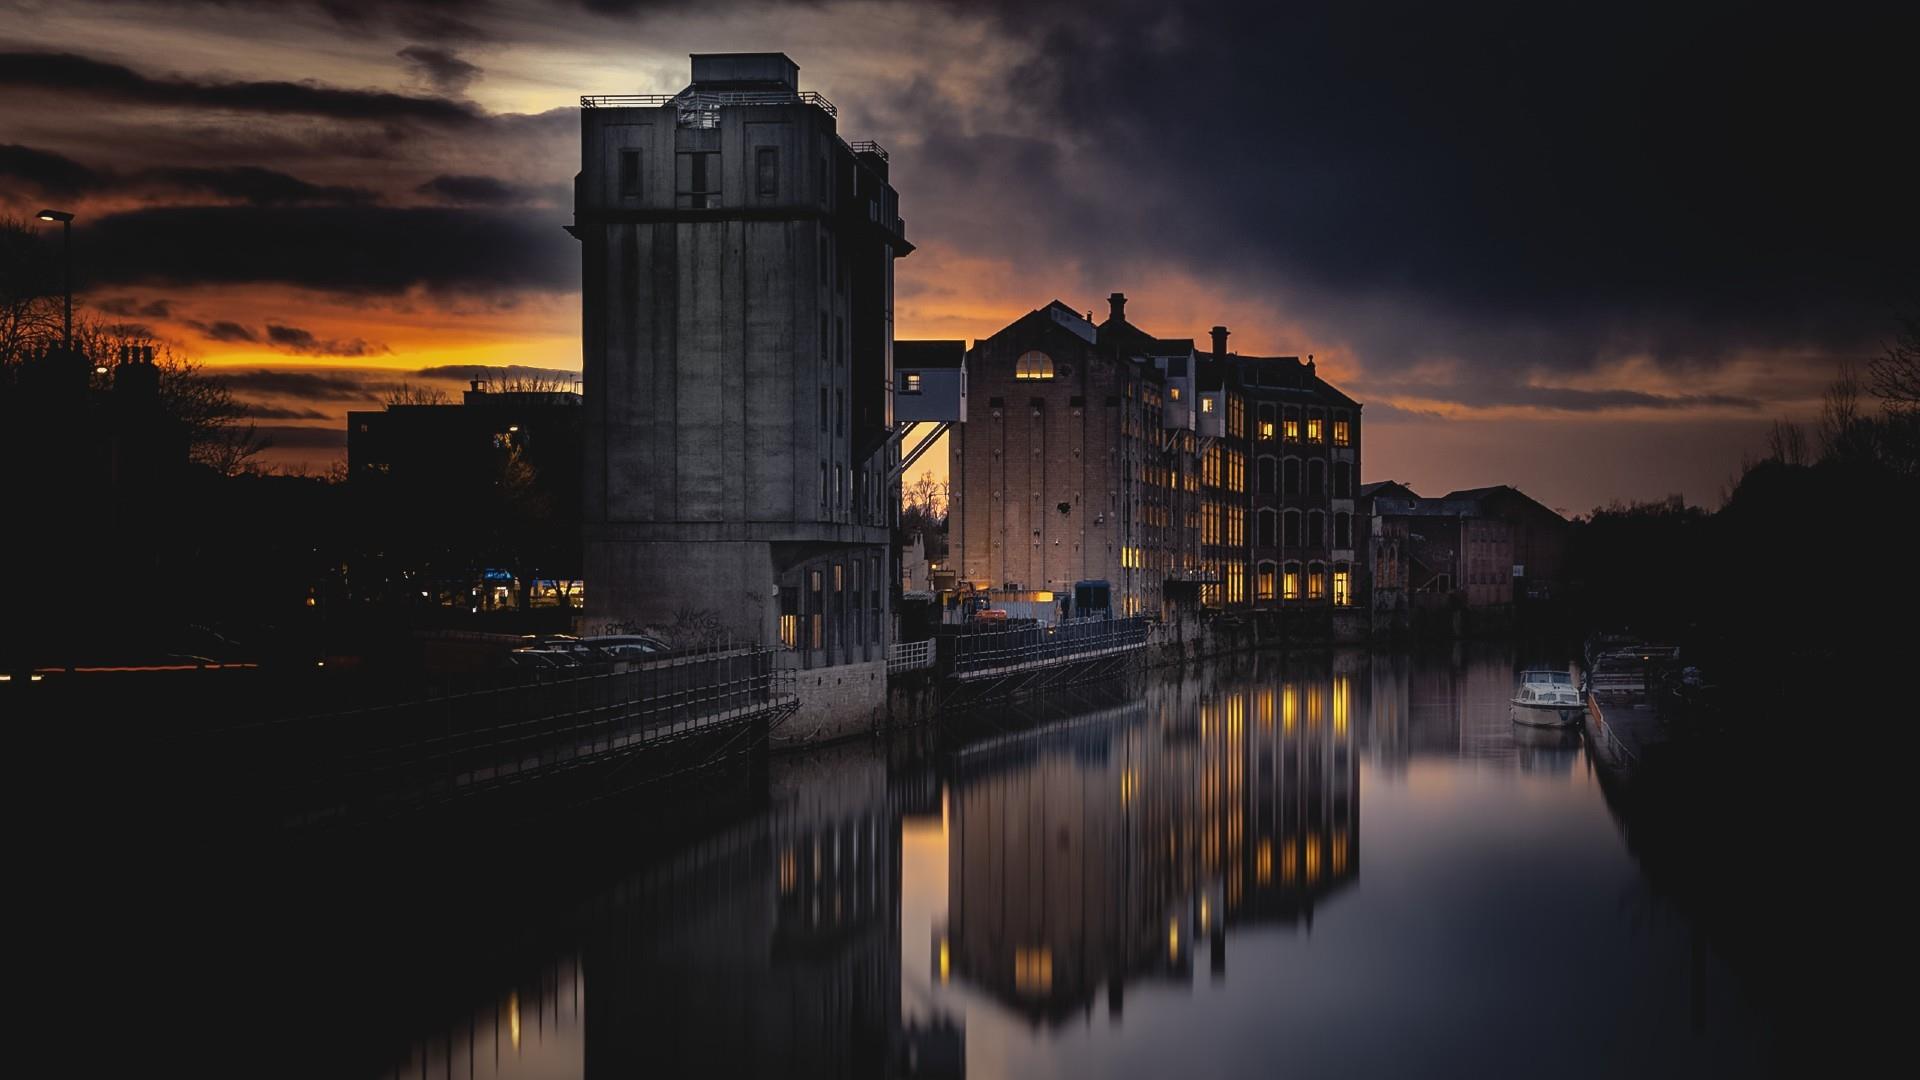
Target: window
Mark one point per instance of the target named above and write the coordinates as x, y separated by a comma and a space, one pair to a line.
1316, 581
1268, 528
1033, 365
1263, 582
1290, 528
1206, 404
1316, 479
766, 170
1316, 428
1290, 476
1291, 427
1266, 475
1236, 417
697, 175
816, 629
1316, 529
1342, 480
1342, 433
629, 174
1290, 582
1343, 530
1266, 421
1173, 392
910, 383
840, 410
823, 408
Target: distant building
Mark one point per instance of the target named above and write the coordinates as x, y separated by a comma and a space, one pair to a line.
1482, 548
738, 335
1107, 453
453, 490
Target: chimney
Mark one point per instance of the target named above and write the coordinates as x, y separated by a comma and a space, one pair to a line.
1117, 307
1219, 343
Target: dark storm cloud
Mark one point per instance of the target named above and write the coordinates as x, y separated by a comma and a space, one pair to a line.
258, 411
509, 373
432, 20
223, 330
45, 172
55, 175
442, 67
1561, 399
294, 339
340, 386
358, 249
126, 306
1656, 178
480, 191
69, 73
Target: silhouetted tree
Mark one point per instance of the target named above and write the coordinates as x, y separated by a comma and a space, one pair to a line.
409, 394
1896, 371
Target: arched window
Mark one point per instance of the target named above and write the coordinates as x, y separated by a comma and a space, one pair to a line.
1290, 476
1290, 582
1266, 477
1343, 530
1316, 479
1290, 424
1316, 581
1033, 365
1263, 583
1316, 528
1290, 528
1342, 585
1316, 426
1342, 480
1268, 523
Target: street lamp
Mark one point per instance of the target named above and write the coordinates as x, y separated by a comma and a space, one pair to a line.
66, 261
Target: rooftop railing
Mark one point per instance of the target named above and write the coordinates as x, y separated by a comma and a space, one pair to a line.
708, 98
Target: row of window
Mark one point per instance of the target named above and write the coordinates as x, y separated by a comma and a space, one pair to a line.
1290, 533
1285, 475
847, 616
1224, 468
1289, 425
1292, 581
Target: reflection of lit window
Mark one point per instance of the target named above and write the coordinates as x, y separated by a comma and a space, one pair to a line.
1289, 707
1342, 693
1263, 862
946, 961
789, 871
1339, 852
1033, 365
1313, 858
1033, 970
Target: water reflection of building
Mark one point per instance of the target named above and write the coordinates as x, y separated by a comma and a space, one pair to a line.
1118, 846
772, 949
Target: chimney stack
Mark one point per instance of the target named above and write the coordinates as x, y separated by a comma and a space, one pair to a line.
1219, 343
1117, 307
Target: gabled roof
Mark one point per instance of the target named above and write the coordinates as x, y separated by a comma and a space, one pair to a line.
1387, 487
933, 353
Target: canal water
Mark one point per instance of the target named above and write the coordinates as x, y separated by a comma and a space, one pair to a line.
1352, 865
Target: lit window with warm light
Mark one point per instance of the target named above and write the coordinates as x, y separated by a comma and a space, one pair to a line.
1033, 365
1342, 433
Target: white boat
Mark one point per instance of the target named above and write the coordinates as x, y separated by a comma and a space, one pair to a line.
1547, 698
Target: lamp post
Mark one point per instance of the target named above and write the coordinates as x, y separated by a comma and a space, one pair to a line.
66, 262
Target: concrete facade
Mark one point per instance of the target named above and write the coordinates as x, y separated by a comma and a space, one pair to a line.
738, 296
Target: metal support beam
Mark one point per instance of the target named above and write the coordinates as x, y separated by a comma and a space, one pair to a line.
920, 448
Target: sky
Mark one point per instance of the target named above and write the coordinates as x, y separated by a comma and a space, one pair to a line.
1590, 252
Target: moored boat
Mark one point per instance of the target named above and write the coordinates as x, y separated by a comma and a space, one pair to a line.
1546, 698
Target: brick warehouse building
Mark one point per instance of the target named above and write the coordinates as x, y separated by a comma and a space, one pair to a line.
1107, 453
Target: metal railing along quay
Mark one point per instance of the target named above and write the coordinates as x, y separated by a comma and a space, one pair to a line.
974, 653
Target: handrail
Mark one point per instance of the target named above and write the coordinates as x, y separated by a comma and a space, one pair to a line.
688, 98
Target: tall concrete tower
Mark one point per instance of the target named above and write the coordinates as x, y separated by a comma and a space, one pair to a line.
738, 334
